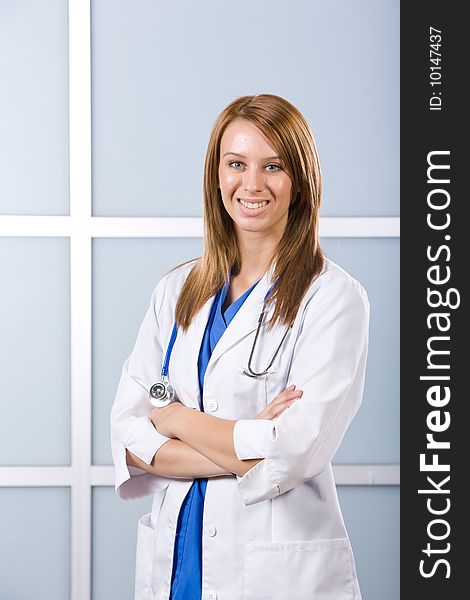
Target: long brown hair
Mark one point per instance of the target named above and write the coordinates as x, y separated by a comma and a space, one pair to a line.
299, 258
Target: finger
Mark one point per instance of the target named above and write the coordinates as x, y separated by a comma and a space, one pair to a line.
284, 405
284, 408
287, 395
272, 412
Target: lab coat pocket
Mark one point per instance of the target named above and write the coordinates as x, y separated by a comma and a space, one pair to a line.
144, 557
304, 570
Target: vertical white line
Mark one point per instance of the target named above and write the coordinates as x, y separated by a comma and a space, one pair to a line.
80, 266
81, 415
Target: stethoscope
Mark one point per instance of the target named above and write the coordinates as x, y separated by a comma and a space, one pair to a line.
162, 393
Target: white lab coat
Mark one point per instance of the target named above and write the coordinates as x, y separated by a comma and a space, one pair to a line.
277, 532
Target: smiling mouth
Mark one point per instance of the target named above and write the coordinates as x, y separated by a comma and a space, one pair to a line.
253, 205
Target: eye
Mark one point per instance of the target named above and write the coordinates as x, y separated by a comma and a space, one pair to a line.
234, 162
276, 168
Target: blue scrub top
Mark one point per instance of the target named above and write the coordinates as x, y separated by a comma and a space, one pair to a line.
186, 579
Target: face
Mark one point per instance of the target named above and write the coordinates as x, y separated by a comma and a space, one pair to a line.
255, 189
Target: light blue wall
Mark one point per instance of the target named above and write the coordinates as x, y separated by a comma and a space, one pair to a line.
34, 543
34, 155
372, 517
114, 544
35, 351
161, 73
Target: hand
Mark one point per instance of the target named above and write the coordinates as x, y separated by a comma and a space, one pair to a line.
163, 418
280, 403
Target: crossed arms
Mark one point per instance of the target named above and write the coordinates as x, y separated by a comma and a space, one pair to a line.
201, 445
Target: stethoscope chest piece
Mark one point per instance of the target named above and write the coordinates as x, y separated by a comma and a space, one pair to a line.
162, 393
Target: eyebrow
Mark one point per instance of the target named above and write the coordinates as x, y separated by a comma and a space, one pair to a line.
243, 156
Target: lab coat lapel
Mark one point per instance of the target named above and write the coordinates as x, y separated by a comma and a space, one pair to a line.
245, 320
191, 341
242, 324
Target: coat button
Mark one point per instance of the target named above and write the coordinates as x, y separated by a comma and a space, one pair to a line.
212, 405
212, 596
212, 531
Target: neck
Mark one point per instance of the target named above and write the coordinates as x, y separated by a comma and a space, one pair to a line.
255, 255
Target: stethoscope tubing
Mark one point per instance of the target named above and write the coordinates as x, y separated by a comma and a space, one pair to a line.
250, 372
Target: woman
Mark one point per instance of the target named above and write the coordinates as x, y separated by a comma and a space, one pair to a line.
239, 463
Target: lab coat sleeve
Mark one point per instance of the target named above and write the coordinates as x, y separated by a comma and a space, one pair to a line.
328, 364
131, 426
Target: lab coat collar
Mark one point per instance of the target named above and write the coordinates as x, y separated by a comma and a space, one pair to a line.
245, 320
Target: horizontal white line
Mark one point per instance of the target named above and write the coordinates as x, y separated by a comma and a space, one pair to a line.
163, 227
367, 474
13, 225
104, 475
360, 227
35, 476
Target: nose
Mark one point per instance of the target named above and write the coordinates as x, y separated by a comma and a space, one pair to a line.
253, 180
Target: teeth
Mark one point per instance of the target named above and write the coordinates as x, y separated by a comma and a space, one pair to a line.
253, 204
